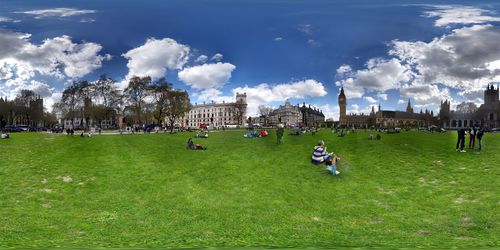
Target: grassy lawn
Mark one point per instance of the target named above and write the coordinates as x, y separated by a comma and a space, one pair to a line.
407, 190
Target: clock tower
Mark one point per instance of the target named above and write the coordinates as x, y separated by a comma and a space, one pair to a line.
342, 106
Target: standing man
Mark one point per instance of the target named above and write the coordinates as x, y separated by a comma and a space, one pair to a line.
461, 140
279, 133
472, 137
480, 134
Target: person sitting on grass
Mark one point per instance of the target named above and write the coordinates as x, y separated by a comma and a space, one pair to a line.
320, 155
5, 135
331, 165
263, 133
251, 134
192, 146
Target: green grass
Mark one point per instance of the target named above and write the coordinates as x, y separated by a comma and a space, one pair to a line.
407, 190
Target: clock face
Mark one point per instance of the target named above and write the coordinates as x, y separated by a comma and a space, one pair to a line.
341, 99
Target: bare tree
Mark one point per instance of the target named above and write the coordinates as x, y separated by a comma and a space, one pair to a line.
240, 108
264, 112
467, 107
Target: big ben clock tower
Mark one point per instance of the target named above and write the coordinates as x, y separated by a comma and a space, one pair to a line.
342, 106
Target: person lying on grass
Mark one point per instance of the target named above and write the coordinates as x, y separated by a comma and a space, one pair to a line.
192, 146
5, 135
320, 155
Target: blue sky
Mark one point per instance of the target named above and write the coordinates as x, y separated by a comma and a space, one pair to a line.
380, 51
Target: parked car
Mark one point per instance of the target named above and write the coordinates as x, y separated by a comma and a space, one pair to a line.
24, 128
12, 128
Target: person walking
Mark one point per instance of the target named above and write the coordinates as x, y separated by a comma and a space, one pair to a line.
461, 140
279, 133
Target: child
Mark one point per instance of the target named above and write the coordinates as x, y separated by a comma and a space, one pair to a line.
331, 165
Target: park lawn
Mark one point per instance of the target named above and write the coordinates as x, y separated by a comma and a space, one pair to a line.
407, 190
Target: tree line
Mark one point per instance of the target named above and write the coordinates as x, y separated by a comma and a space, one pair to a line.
143, 101
25, 109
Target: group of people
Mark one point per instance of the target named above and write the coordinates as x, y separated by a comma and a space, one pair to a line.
255, 134
321, 156
474, 132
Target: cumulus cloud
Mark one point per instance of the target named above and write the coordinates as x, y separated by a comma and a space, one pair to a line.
58, 56
201, 59
217, 57
155, 57
458, 14
464, 59
379, 75
56, 12
265, 93
382, 96
425, 94
21, 61
206, 76
370, 99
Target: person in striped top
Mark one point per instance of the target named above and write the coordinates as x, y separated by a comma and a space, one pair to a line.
320, 154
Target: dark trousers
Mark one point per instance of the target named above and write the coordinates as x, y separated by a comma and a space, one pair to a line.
472, 141
461, 143
479, 142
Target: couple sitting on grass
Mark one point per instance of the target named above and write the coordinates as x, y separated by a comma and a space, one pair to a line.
320, 155
5, 135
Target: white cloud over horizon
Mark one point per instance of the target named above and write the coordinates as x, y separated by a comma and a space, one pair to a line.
459, 14
56, 12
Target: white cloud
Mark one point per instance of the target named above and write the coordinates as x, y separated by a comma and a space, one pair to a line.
313, 43
207, 76
305, 28
330, 111
343, 70
87, 20
401, 101
57, 12
217, 57
265, 93
382, 96
8, 20
278, 39
155, 57
380, 75
370, 99
57, 56
458, 14
425, 94
464, 59
201, 59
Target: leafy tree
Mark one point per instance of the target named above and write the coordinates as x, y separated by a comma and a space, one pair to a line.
159, 91
136, 92
176, 106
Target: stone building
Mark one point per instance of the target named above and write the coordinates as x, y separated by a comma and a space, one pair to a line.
487, 115
287, 114
384, 118
217, 114
296, 116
